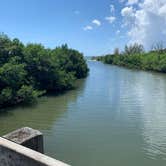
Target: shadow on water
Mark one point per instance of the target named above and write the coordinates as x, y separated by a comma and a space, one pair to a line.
40, 115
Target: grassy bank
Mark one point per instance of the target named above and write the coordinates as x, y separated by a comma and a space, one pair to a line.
29, 71
153, 60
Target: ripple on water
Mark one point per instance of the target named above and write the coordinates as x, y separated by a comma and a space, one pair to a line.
115, 116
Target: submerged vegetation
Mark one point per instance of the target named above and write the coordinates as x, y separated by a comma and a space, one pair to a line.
135, 57
29, 71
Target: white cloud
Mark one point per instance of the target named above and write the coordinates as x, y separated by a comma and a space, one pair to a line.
127, 12
118, 32
147, 24
132, 2
87, 28
96, 22
129, 15
112, 8
110, 19
162, 10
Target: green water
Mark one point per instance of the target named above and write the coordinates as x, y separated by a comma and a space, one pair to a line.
116, 117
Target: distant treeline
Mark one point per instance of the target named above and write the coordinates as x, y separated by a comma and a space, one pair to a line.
135, 57
29, 71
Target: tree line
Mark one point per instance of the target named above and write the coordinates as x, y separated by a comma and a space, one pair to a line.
135, 57
29, 71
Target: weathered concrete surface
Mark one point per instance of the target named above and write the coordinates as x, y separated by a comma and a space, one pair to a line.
12, 154
27, 137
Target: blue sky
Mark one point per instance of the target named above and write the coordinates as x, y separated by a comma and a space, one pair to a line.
94, 27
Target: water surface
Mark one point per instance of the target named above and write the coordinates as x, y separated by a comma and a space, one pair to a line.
115, 117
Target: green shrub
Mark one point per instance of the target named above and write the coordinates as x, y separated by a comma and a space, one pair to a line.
134, 57
26, 71
27, 94
6, 97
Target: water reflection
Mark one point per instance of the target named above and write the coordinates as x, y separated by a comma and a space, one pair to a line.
40, 116
154, 116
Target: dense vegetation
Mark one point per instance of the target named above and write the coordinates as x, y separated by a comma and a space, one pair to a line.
135, 57
29, 71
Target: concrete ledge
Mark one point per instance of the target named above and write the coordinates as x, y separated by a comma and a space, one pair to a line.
22, 135
27, 137
18, 155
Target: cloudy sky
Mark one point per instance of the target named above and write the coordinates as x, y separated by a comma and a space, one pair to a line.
94, 27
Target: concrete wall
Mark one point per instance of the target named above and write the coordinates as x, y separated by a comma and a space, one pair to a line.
12, 158
12, 154
24, 147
